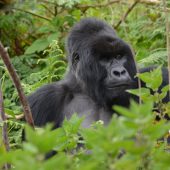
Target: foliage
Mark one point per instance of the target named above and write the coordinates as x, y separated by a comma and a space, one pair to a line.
53, 69
157, 57
34, 33
152, 92
133, 134
15, 131
133, 140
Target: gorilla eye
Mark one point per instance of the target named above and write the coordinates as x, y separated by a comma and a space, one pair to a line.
118, 57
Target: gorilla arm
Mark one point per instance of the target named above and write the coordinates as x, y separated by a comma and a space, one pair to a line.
46, 104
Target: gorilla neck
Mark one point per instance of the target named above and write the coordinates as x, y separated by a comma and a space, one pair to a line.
81, 87
95, 92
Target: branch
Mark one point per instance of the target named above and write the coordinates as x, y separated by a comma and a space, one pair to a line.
28, 12
4, 127
48, 2
17, 117
16, 81
126, 14
85, 7
150, 2
49, 10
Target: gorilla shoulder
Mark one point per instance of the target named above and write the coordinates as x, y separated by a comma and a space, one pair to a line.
46, 104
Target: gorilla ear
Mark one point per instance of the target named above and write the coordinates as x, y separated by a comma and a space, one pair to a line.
75, 58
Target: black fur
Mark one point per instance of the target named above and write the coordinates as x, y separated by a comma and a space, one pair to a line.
101, 68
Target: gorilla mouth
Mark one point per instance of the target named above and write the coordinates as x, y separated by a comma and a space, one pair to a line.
120, 85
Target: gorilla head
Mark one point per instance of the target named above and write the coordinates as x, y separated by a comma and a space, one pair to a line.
102, 63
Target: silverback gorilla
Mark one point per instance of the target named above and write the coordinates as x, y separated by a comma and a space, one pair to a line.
101, 68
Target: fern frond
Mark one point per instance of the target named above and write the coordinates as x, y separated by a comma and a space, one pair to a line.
156, 57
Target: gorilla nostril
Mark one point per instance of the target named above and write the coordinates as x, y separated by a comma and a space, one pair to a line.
123, 72
116, 73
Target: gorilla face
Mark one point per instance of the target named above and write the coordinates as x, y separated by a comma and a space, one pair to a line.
115, 58
102, 63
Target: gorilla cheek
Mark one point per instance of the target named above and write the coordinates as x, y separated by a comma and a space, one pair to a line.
79, 76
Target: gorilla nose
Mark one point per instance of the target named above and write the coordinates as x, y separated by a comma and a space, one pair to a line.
119, 73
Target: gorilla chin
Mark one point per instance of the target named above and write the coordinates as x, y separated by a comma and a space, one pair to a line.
116, 90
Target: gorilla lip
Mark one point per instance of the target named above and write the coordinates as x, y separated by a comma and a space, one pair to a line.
119, 85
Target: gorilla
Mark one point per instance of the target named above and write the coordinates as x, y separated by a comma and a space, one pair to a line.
101, 69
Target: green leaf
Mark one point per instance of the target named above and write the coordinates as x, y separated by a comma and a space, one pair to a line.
44, 139
37, 46
53, 36
124, 111
140, 92
153, 79
10, 112
165, 88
